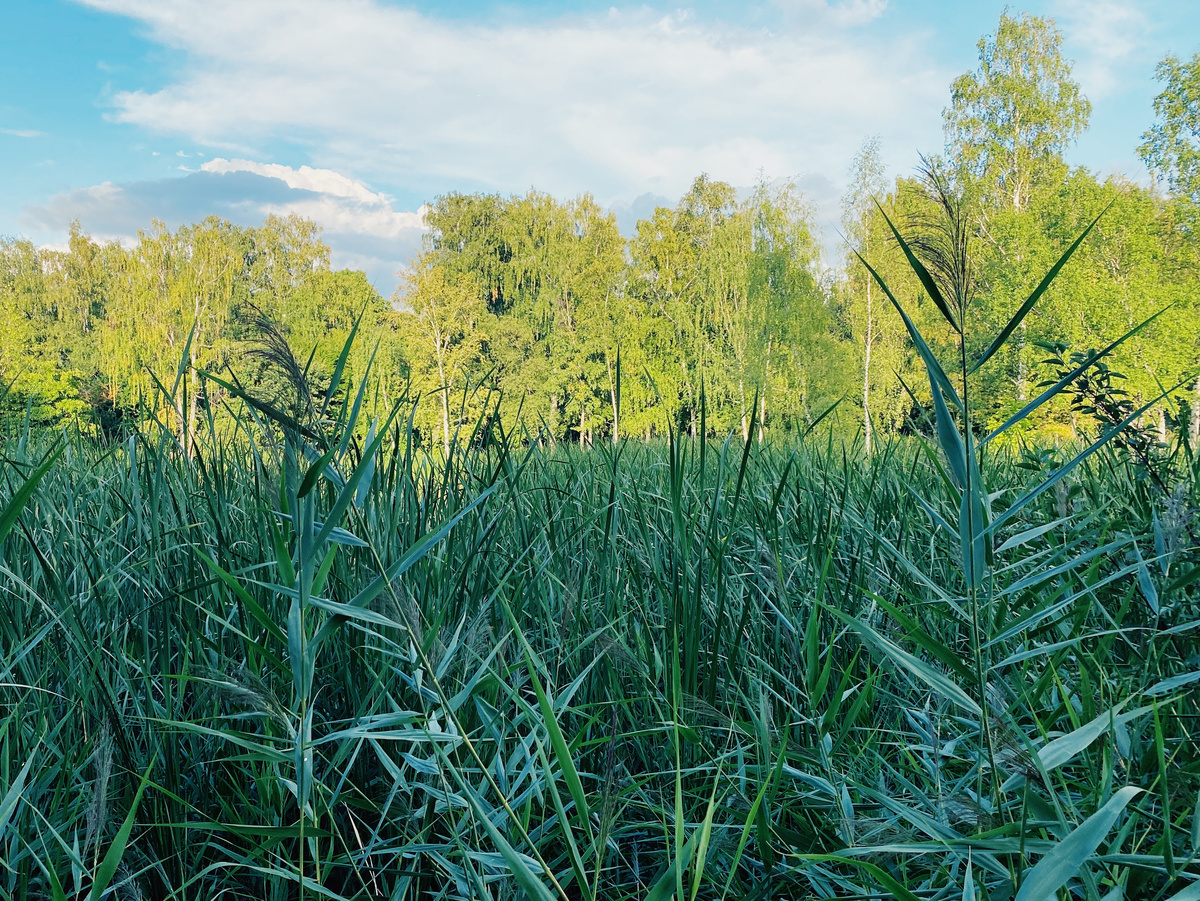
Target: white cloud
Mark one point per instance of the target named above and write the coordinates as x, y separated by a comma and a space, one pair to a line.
320, 181
620, 104
362, 227
22, 132
1107, 35
340, 204
843, 14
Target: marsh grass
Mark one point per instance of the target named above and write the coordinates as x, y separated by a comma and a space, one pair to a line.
308, 659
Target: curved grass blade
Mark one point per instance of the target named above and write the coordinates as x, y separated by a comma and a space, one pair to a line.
931, 285
273, 413
314, 472
931, 363
534, 888
971, 535
1034, 297
1067, 857
888, 881
1063, 471
348, 491
336, 378
557, 742
664, 886
808, 429
13, 795
1166, 686
112, 859
949, 438
245, 597
1189, 893
1066, 747
915, 633
914, 665
401, 566
20, 498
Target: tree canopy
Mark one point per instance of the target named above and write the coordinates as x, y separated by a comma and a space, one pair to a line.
1010, 120
1171, 147
534, 313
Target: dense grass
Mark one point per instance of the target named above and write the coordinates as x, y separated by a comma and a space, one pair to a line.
703, 669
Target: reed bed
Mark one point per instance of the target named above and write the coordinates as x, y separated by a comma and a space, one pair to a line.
339, 667
297, 656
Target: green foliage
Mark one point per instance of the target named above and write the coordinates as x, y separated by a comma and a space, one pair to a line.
309, 596
519, 310
718, 299
617, 673
1095, 394
941, 257
1010, 120
95, 329
1171, 147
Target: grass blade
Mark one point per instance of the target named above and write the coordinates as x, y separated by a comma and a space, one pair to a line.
1066, 380
931, 286
1067, 857
20, 498
931, 363
1019, 316
112, 859
916, 667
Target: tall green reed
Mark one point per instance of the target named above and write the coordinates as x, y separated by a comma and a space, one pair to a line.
517, 671
996, 571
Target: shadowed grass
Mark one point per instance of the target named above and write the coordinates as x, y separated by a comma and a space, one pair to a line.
348, 669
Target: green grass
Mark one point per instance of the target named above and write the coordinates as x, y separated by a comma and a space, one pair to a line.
293, 656
699, 669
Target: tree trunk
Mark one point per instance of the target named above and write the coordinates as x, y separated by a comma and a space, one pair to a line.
612, 394
440, 351
1022, 366
193, 411
194, 400
553, 420
1194, 419
867, 342
745, 421
181, 418
762, 410
445, 409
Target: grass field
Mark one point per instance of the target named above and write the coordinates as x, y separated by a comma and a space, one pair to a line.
302, 663
295, 656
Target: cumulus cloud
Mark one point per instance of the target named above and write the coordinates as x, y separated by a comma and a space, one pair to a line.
621, 104
1108, 36
846, 13
362, 227
341, 204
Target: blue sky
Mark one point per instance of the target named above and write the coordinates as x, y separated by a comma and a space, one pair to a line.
355, 112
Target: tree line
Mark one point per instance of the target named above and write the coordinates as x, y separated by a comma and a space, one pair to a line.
718, 313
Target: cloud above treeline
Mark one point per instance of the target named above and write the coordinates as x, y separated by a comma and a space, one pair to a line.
631, 103
362, 227
618, 104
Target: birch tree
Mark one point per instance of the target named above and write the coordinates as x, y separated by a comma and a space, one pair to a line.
1010, 120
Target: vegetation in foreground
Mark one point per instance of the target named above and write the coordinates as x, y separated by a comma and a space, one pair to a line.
270, 645
301, 663
535, 298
